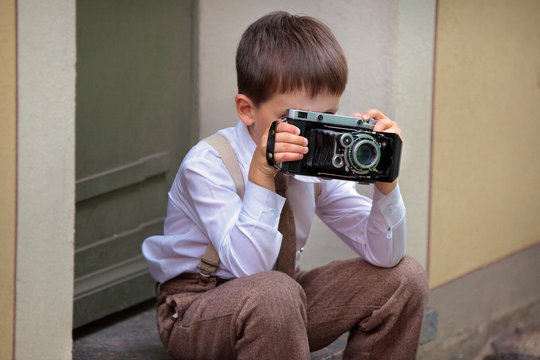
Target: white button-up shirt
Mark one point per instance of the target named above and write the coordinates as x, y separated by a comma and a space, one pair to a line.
203, 206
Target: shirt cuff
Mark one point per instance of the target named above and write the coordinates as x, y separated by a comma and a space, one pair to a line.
391, 206
262, 204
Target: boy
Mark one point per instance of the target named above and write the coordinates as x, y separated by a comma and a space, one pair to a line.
246, 309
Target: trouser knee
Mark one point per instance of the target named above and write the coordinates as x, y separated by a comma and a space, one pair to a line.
414, 278
276, 298
273, 312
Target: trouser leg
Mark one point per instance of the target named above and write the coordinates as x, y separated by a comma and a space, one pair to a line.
382, 308
257, 317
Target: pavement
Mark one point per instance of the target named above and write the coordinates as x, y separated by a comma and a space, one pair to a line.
132, 334
521, 343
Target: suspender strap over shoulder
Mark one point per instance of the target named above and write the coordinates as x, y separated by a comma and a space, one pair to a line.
227, 154
210, 260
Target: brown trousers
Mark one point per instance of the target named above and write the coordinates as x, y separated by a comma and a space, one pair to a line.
272, 316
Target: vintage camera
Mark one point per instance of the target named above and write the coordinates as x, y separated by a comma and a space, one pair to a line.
341, 147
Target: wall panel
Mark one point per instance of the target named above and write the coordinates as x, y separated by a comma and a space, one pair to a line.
8, 158
485, 196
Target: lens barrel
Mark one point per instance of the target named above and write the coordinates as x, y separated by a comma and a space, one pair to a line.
362, 152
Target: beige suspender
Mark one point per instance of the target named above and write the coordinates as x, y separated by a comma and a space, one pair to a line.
227, 154
210, 260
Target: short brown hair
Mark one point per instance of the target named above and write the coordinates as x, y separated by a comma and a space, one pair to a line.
281, 52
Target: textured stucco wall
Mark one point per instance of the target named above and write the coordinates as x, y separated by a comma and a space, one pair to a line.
379, 77
8, 158
485, 179
413, 99
46, 184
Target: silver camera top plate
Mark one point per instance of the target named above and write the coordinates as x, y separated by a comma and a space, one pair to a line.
331, 119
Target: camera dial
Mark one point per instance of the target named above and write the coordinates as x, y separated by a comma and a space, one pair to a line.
346, 140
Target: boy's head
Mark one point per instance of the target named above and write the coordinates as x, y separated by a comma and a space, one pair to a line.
282, 53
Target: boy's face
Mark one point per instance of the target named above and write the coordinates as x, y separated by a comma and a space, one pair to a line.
274, 109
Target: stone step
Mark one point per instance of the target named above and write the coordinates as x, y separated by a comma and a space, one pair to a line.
132, 334
334, 351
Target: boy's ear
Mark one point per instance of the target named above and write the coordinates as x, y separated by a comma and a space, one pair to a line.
245, 109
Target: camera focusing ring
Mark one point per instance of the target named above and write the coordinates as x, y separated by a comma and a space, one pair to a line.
363, 155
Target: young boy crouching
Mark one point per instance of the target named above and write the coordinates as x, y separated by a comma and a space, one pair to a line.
251, 301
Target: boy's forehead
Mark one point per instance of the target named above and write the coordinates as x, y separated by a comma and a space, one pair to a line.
320, 102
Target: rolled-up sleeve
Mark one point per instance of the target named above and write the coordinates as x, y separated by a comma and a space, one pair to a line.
243, 231
376, 229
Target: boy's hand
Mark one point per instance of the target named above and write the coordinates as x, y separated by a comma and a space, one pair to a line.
289, 146
383, 124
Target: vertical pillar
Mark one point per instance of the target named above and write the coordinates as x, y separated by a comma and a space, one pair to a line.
8, 169
46, 55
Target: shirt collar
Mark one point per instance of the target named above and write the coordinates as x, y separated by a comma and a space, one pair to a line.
246, 145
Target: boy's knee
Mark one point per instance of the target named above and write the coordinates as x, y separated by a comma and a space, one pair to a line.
275, 287
275, 296
414, 278
273, 312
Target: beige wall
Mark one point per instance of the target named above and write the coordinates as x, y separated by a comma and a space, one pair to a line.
413, 111
46, 180
485, 176
8, 156
389, 48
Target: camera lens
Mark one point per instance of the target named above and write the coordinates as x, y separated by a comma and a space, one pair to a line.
366, 153
361, 153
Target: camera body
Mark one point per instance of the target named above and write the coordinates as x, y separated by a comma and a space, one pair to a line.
344, 147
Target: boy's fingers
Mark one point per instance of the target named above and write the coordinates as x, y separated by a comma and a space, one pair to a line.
288, 145
290, 148
285, 127
283, 157
383, 124
373, 114
285, 137
387, 125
